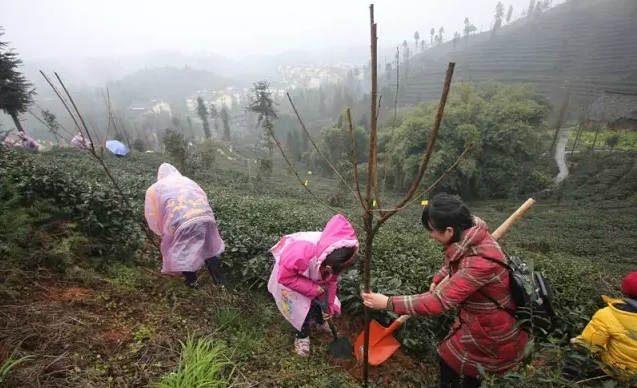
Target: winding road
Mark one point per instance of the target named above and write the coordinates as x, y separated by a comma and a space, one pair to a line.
560, 154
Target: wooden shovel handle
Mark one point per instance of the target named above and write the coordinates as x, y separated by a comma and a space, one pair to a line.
513, 218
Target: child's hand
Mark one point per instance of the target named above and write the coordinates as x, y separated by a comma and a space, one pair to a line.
320, 291
327, 316
432, 287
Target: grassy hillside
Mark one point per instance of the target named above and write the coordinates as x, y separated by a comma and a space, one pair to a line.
82, 297
589, 43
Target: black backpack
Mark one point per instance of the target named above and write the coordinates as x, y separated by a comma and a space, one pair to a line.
531, 293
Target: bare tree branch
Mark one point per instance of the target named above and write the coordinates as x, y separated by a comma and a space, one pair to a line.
52, 130
381, 221
307, 133
75, 108
57, 92
430, 145
59, 124
278, 144
93, 152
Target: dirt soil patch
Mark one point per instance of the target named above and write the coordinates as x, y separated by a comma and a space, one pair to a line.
109, 336
399, 370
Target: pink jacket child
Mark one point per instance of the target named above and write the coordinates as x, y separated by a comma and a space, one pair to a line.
177, 209
305, 264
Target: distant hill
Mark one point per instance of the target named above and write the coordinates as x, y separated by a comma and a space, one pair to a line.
164, 83
97, 71
590, 43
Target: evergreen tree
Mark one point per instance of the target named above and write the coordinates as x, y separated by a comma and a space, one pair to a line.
16, 93
225, 120
263, 105
202, 112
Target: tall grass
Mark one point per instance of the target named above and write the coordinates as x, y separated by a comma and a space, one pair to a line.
202, 365
8, 365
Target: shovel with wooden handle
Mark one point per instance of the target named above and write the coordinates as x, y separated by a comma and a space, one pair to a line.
339, 347
381, 343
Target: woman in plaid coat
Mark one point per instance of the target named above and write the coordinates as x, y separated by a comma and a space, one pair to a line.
484, 334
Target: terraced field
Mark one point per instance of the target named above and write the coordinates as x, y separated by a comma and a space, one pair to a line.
590, 43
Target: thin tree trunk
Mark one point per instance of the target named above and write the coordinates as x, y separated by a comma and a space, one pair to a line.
17, 122
372, 179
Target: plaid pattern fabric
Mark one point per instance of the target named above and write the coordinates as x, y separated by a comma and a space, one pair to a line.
483, 333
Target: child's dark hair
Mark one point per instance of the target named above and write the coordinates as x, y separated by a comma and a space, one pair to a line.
447, 211
340, 259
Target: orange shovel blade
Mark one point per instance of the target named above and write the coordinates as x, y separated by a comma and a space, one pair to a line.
382, 344
382, 350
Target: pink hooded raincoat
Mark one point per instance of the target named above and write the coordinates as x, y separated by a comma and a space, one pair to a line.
296, 275
177, 209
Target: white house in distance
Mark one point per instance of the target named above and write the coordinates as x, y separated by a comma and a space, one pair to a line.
161, 106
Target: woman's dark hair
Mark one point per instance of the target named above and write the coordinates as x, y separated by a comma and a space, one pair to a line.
340, 259
447, 211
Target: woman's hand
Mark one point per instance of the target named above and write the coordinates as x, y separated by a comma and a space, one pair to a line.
320, 291
375, 301
432, 287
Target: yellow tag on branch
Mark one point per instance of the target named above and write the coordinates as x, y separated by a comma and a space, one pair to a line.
306, 182
424, 202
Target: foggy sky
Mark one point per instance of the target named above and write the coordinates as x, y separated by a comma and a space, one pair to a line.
235, 28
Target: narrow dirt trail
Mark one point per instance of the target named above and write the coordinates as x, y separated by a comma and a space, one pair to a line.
560, 155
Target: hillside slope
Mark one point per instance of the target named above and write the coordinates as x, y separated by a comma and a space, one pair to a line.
590, 43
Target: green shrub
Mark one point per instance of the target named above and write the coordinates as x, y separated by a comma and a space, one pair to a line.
102, 215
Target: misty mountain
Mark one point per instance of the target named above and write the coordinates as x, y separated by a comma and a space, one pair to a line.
589, 43
97, 71
168, 83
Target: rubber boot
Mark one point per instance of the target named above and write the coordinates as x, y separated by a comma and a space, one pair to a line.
190, 279
213, 265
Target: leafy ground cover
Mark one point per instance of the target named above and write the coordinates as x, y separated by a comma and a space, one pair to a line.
82, 296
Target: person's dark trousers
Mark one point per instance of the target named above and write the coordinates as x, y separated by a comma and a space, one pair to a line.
191, 279
449, 378
314, 313
213, 265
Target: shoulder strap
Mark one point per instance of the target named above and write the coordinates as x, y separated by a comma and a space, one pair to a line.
505, 265
498, 305
499, 262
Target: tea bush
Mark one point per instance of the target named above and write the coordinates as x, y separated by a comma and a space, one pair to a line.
103, 216
572, 245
